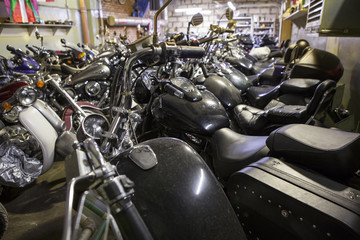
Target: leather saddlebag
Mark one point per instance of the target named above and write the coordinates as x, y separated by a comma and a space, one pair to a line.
277, 200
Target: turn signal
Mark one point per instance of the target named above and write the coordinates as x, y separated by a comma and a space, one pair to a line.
40, 84
7, 106
69, 61
81, 55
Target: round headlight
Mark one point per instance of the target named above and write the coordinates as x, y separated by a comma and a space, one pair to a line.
26, 96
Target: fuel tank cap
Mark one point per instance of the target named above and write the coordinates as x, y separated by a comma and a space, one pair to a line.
143, 156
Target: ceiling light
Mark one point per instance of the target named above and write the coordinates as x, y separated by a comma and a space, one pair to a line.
194, 10
231, 5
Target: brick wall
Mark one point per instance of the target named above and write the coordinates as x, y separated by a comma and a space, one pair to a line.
265, 9
113, 8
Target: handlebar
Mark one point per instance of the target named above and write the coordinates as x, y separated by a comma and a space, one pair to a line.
31, 48
138, 228
191, 52
10, 48
208, 39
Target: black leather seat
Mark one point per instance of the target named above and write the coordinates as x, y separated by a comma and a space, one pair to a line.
329, 151
257, 121
260, 96
233, 151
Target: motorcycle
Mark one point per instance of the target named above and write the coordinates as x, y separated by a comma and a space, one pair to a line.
22, 62
119, 183
73, 56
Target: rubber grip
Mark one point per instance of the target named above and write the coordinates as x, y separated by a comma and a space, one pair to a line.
137, 228
204, 40
229, 30
191, 52
30, 48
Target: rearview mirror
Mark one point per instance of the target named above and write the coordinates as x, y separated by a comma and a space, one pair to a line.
197, 19
229, 14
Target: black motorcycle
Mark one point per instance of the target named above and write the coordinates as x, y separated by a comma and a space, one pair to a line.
140, 186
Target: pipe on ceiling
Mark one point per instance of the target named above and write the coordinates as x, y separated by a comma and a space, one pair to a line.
133, 22
84, 22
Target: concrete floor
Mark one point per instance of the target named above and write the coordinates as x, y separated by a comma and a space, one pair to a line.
38, 212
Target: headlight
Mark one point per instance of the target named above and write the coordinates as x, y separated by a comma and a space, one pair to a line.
26, 96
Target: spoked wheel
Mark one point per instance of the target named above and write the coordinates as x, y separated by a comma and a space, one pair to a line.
4, 220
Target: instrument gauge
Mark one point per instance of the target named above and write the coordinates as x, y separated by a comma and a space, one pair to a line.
94, 125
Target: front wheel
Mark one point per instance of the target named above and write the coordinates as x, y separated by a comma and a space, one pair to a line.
4, 220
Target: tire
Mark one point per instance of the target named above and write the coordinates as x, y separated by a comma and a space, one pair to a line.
4, 220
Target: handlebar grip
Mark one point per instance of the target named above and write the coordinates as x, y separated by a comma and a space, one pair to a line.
137, 228
10, 48
191, 52
30, 48
204, 40
229, 30
181, 43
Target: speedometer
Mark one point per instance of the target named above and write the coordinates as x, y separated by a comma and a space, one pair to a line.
94, 125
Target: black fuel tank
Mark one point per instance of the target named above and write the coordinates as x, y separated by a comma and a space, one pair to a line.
93, 72
224, 90
242, 64
236, 77
180, 198
203, 117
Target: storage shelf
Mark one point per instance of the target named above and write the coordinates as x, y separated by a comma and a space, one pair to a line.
30, 28
263, 27
34, 25
263, 33
243, 25
297, 14
242, 18
264, 21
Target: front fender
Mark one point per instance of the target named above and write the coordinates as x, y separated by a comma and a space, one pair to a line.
43, 131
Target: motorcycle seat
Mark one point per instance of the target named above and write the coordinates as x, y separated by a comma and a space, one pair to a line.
304, 86
259, 69
250, 119
234, 151
329, 151
275, 114
270, 76
260, 96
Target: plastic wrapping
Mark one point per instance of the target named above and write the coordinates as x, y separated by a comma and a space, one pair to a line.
19, 157
260, 53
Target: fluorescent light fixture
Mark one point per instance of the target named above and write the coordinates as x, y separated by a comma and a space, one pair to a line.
196, 10
231, 5
191, 11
